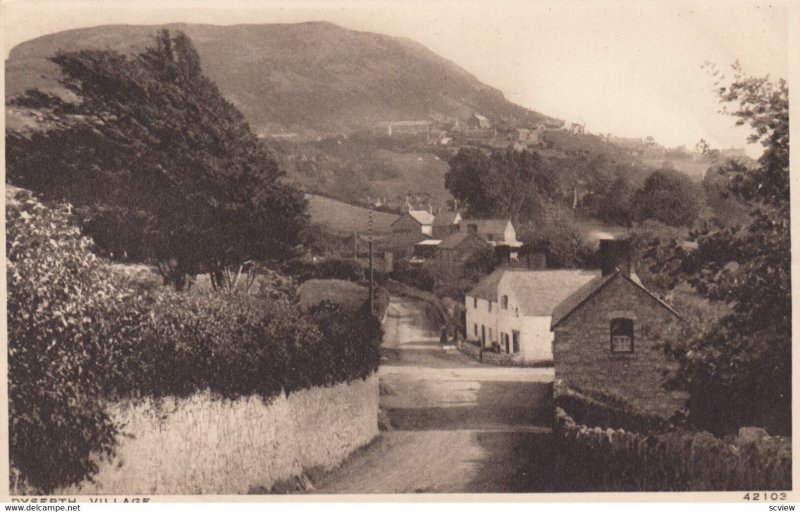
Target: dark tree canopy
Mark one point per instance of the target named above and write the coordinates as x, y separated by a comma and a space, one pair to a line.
668, 196
162, 166
738, 371
510, 184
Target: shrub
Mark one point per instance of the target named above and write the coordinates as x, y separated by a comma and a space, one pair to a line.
331, 268
418, 277
78, 337
597, 409
60, 300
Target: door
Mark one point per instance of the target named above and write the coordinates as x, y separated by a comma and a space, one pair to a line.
483, 335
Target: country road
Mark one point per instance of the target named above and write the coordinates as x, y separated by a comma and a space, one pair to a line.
456, 425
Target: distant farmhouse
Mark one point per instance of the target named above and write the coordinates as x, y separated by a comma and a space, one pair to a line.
499, 233
414, 221
478, 122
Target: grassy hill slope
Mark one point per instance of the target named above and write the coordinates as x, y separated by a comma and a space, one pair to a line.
307, 77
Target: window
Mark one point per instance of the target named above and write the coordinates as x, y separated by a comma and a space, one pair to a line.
476, 330
516, 312
491, 338
621, 335
475, 302
490, 306
490, 237
515, 341
504, 302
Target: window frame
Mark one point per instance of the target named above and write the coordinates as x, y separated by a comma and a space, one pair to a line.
627, 327
504, 302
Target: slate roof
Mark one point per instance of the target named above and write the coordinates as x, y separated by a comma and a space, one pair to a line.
454, 240
493, 226
402, 240
487, 287
571, 303
538, 292
422, 216
445, 219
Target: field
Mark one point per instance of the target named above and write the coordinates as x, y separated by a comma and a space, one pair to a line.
345, 218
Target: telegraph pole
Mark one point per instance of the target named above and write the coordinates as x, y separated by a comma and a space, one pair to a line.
371, 279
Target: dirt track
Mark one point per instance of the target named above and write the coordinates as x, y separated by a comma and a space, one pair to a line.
456, 425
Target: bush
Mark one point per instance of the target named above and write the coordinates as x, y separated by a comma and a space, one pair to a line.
60, 300
331, 268
602, 410
77, 338
418, 277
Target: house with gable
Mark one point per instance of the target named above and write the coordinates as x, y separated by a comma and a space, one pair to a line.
511, 310
445, 224
499, 233
609, 336
414, 221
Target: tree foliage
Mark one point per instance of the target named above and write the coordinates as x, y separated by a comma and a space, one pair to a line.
667, 196
165, 168
738, 371
508, 184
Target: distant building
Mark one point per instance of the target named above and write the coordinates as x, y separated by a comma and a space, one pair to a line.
554, 124
457, 248
425, 249
478, 122
576, 128
512, 309
445, 224
414, 221
499, 233
609, 336
405, 127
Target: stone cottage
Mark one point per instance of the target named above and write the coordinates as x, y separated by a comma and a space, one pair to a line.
609, 336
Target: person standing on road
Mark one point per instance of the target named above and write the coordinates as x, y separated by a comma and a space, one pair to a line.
443, 334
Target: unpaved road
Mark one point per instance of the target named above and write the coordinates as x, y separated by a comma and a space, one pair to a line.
456, 425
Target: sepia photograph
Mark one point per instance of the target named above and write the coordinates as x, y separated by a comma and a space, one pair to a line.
521, 249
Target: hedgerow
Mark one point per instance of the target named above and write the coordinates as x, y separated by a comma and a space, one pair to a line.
80, 336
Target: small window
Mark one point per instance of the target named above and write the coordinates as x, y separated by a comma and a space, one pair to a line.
621, 336
515, 341
504, 302
475, 302
490, 306
490, 237
476, 330
516, 312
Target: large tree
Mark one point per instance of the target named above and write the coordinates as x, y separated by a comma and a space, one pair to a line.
162, 166
738, 371
511, 184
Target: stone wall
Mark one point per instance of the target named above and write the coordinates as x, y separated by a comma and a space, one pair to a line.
206, 445
582, 347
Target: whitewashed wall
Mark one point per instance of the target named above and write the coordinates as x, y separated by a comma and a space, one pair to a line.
206, 445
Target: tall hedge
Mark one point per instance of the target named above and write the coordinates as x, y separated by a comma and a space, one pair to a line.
80, 336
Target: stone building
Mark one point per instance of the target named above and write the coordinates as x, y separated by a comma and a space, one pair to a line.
609, 336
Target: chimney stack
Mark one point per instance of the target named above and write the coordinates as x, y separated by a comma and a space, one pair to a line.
616, 255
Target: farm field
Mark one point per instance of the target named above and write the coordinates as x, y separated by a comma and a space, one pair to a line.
346, 218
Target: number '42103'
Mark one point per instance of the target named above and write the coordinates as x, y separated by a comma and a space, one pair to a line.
765, 496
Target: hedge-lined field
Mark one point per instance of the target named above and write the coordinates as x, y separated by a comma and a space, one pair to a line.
81, 334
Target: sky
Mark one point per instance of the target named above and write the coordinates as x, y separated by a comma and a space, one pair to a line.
630, 68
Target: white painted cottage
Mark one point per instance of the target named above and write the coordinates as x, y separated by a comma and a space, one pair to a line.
513, 308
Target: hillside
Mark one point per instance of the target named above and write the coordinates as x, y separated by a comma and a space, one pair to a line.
344, 218
308, 78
